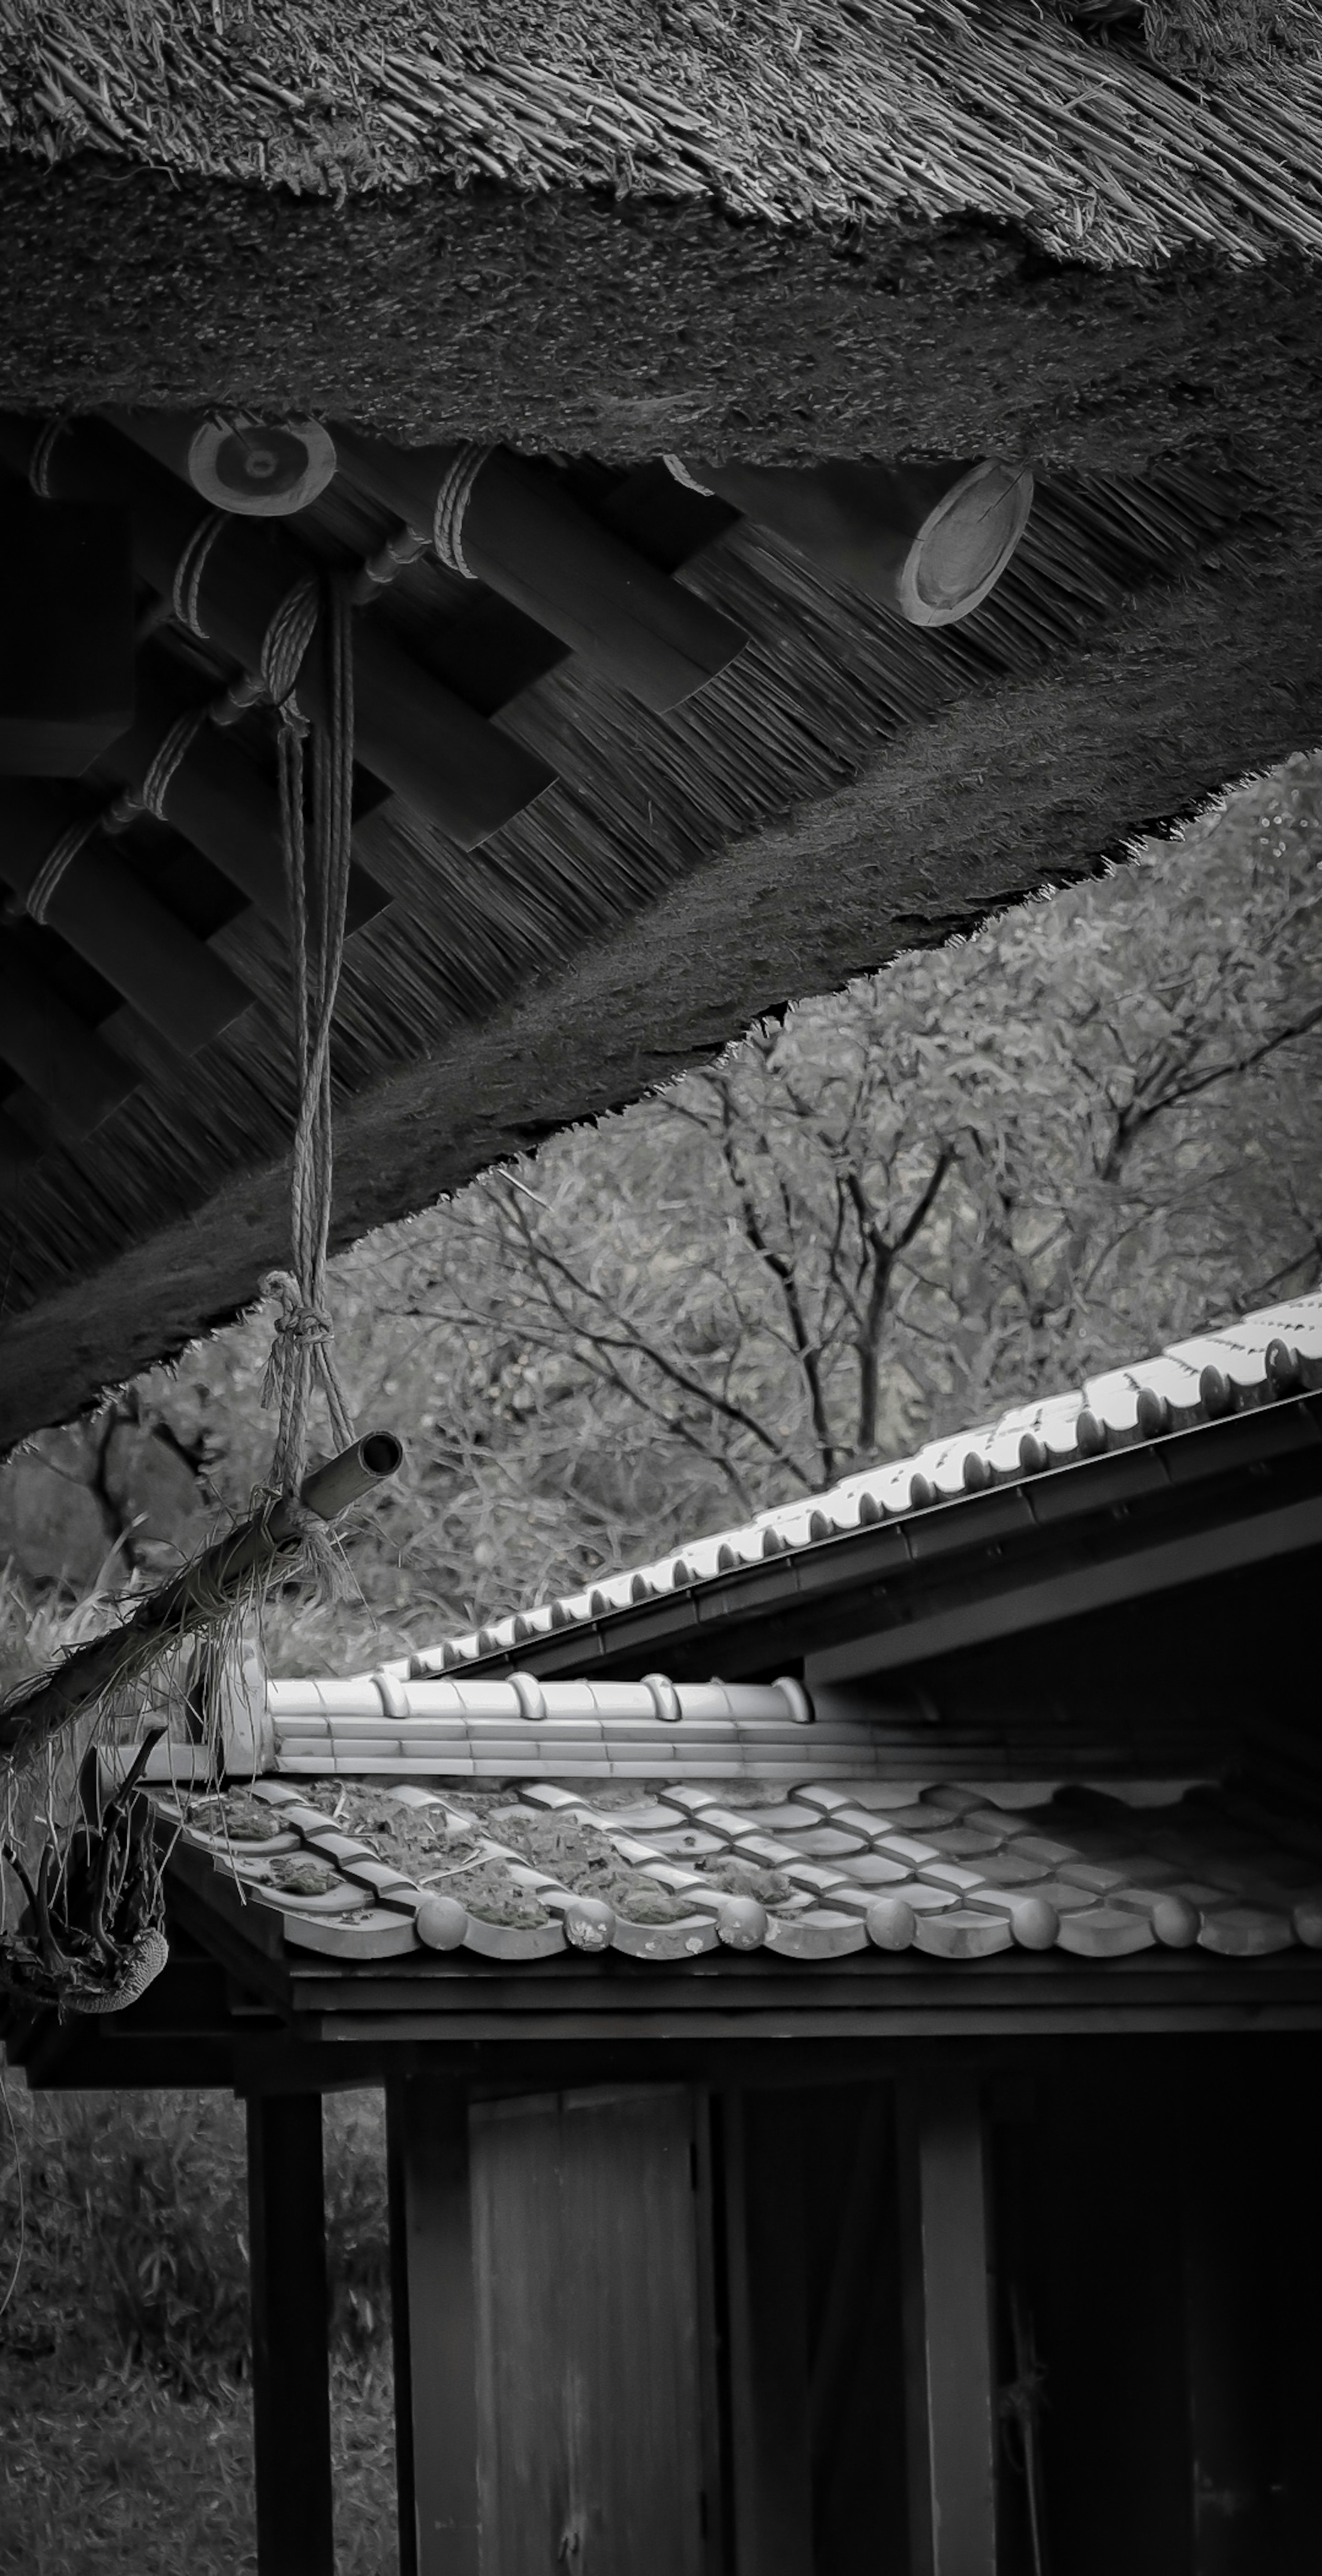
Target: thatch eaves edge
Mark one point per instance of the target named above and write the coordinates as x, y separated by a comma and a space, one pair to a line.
571, 322
1207, 680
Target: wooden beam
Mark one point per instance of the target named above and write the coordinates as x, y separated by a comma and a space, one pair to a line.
290, 2337
950, 2376
106, 912
442, 758
529, 540
1258, 1540
66, 633
770, 2467
435, 2328
76, 1077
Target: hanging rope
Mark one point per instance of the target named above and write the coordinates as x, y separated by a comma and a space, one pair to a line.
317, 886
93, 1937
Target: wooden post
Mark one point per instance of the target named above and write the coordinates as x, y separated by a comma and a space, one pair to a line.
768, 2335
435, 2328
529, 540
290, 2337
442, 758
949, 2369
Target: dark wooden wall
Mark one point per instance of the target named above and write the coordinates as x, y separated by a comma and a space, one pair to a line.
590, 2334
1052, 2315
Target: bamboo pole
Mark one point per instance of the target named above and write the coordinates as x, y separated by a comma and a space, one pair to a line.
239, 465
443, 759
103, 910
929, 541
195, 1598
218, 798
528, 539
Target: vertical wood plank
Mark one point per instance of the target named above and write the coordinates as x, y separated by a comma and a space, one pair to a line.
711, 2318
434, 2321
591, 2434
951, 2398
290, 2337
768, 2335
1224, 2302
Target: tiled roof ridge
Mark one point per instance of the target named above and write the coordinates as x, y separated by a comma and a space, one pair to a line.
1260, 1357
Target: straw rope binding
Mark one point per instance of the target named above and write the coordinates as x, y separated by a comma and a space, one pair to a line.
456, 491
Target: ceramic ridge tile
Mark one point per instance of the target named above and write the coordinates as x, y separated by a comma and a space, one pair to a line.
903, 1847
830, 1842
764, 1848
876, 1870
962, 1843
724, 1820
1041, 1847
1090, 1874
808, 1873
1065, 1899
1008, 1869
688, 1838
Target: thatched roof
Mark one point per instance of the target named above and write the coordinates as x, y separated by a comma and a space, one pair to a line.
838, 115
619, 226
889, 228
847, 786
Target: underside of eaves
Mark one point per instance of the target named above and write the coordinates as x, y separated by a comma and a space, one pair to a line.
605, 236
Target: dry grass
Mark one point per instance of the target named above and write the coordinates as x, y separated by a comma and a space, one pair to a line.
120, 2477
125, 2444
821, 114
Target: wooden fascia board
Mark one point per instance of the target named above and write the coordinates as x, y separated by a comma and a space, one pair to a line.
1140, 1572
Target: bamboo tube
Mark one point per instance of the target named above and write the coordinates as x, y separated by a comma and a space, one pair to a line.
930, 541
195, 1597
218, 798
75, 1075
530, 541
180, 986
239, 465
442, 758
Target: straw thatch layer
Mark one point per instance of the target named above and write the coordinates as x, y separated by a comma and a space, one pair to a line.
568, 322
837, 113
847, 788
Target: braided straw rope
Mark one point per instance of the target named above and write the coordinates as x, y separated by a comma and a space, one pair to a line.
159, 778
452, 507
61, 855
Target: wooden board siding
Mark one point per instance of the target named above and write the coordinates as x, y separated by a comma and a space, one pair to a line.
589, 2367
